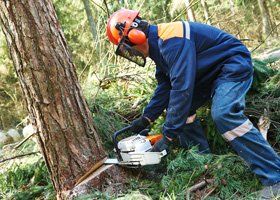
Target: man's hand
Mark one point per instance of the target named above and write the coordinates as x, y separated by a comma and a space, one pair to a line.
139, 124
162, 144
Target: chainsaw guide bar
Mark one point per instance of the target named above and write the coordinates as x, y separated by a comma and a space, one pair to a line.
138, 158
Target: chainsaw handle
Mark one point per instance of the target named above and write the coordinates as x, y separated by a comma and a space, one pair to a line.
115, 141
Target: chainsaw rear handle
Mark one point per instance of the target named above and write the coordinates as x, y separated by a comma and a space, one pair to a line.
115, 141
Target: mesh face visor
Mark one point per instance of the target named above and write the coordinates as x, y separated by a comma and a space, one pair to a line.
126, 51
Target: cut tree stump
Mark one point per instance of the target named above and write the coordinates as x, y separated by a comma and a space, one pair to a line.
106, 175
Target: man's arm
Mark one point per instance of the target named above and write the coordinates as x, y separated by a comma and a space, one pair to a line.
180, 56
160, 98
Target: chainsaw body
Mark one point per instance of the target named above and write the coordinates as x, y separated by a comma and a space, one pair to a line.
136, 150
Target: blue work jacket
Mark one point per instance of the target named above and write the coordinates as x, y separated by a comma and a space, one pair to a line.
191, 60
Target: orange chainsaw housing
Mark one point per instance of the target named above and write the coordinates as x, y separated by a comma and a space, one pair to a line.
154, 138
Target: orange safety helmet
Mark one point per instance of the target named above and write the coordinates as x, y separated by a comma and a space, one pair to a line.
121, 24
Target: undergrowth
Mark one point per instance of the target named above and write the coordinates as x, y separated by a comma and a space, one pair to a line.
28, 181
26, 178
183, 169
171, 179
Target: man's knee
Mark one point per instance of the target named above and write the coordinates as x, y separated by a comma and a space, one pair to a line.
218, 116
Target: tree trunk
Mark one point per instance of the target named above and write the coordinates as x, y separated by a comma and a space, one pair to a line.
266, 21
90, 19
206, 11
231, 5
66, 135
190, 13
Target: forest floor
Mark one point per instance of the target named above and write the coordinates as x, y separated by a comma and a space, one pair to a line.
27, 178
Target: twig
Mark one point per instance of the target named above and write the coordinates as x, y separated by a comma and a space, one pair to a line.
111, 111
251, 112
245, 39
209, 18
87, 64
200, 185
265, 38
23, 121
185, 9
23, 141
19, 156
224, 19
98, 6
210, 192
107, 9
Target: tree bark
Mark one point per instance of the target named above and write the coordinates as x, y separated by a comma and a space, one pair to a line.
190, 13
266, 21
90, 19
65, 132
206, 11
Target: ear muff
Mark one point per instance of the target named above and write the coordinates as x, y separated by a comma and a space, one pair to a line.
136, 36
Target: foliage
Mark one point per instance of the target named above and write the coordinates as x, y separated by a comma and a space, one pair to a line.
11, 102
26, 182
27, 178
232, 176
184, 169
268, 98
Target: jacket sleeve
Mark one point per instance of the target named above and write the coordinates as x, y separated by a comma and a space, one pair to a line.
160, 99
180, 56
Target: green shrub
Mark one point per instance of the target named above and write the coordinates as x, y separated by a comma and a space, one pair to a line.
26, 181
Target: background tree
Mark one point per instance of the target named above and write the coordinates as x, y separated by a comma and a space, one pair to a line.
266, 21
190, 12
231, 5
90, 19
65, 131
206, 11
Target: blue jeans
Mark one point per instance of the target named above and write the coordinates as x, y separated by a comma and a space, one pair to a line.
227, 111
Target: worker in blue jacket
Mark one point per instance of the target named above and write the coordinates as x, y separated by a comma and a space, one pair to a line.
196, 63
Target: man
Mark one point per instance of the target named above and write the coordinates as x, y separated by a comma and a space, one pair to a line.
196, 63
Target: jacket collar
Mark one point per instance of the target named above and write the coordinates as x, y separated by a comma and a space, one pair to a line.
154, 52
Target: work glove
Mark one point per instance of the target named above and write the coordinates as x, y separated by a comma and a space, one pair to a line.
162, 144
139, 124
145, 132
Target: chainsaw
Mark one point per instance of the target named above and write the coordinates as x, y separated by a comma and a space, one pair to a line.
132, 152
135, 151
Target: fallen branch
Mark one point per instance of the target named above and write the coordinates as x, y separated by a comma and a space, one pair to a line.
137, 103
200, 185
19, 156
270, 56
23, 141
210, 192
